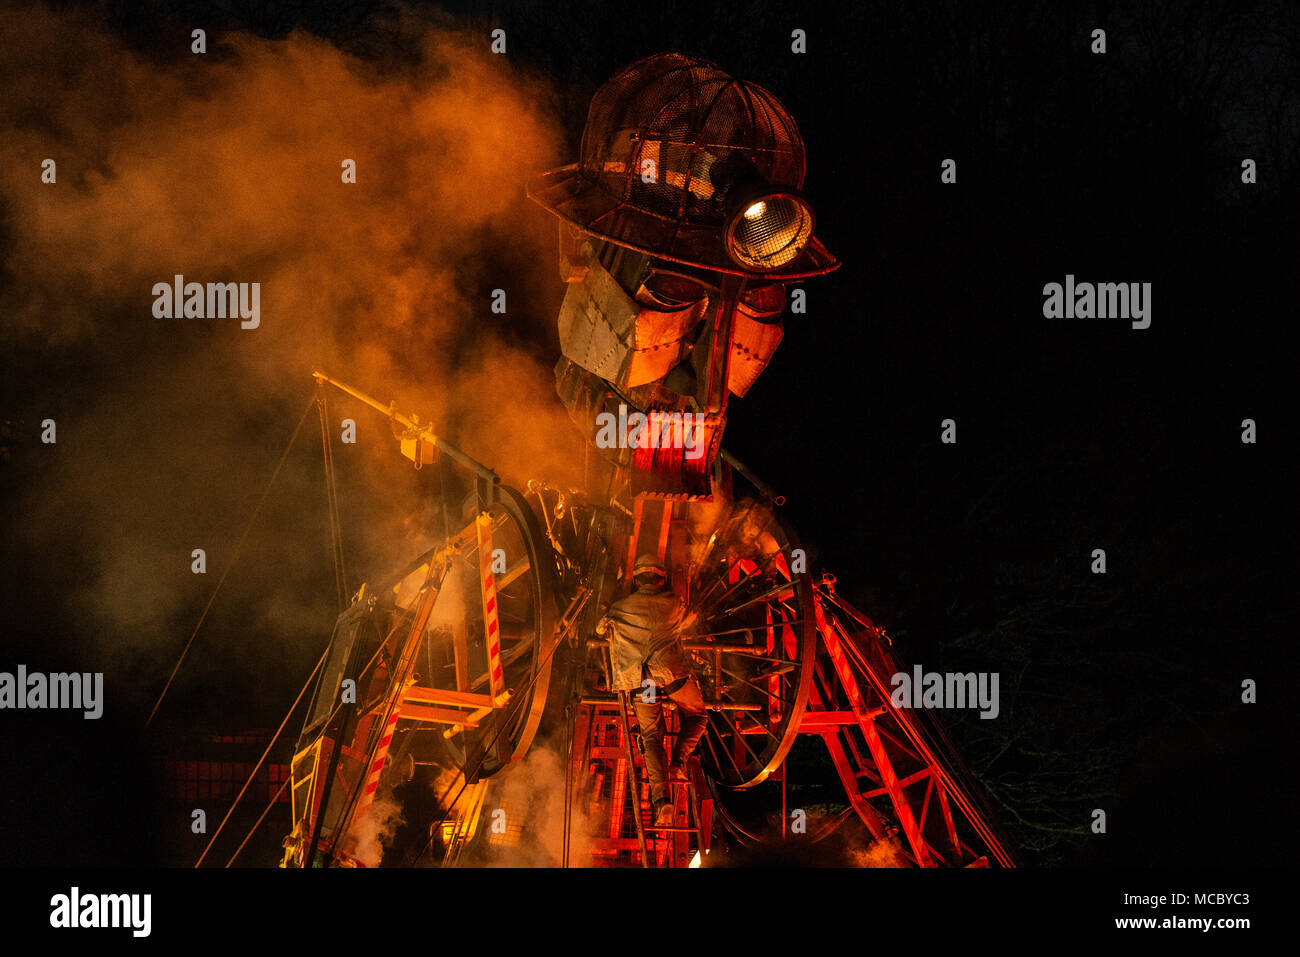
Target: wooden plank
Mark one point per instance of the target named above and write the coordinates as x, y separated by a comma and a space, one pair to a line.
420, 712
459, 699
504, 581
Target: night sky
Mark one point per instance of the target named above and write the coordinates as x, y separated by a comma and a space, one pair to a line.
1120, 691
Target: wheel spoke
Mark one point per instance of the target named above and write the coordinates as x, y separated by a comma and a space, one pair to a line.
762, 596
725, 750
783, 701
708, 739
736, 731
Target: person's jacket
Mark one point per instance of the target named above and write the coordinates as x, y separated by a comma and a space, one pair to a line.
644, 631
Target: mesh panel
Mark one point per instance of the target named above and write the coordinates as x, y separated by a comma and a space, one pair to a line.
669, 133
666, 139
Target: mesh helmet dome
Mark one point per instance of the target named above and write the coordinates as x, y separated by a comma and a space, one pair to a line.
668, 142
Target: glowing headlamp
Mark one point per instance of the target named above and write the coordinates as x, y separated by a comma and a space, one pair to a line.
766, 226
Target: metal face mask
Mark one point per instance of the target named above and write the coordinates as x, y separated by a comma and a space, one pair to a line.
639, 322
665, 339
622, 325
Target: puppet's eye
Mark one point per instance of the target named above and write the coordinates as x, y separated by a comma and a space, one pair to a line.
666, 290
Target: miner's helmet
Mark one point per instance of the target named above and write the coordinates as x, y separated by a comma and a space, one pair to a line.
686, 164
647, 566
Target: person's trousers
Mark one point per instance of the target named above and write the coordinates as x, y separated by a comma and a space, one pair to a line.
650, 716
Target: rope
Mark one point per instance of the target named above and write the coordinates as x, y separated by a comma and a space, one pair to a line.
377, 730
233, 556
334, 712
284, 784
325, 727
293, 707
332, 502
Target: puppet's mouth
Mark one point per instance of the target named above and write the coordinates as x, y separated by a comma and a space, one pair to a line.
675, 452
670, 452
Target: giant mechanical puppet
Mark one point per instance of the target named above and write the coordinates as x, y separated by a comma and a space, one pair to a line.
682, 229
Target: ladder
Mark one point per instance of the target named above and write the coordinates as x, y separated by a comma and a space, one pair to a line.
619, 786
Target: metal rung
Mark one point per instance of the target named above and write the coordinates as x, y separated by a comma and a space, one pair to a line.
602, 702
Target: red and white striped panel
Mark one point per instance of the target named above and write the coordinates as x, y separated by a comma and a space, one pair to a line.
488, 583
376, 767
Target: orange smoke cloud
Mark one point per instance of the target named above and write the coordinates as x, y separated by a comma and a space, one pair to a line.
226, 167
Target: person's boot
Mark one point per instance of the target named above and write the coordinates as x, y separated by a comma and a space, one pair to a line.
663, 815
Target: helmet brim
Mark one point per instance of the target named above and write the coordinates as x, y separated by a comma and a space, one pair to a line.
587, 205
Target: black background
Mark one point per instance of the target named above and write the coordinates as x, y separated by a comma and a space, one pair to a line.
1072, 434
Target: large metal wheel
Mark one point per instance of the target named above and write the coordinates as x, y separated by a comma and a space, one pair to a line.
754, 643
526, 611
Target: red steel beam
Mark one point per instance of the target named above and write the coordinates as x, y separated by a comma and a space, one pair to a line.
866, 722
